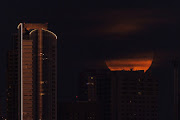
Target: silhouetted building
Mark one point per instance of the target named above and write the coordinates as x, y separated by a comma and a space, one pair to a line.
12, 80
95, 86
123, 95
80, 111
32, 74
176, 90
134, 96
3, 106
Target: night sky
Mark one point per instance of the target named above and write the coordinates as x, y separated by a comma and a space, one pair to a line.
92, 31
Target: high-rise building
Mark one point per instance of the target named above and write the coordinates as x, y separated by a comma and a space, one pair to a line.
3, 106
34, 66
122, 94
12, 80
135, 96
95, 86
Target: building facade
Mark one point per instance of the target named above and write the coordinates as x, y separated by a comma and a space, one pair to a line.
36, 61
95, 87
134, 96
12, 80
122, 95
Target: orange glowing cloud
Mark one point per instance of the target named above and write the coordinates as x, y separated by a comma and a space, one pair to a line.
129, 64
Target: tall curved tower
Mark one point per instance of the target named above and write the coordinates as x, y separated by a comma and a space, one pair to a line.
37, 72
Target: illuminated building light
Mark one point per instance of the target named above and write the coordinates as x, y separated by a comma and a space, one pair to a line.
92, 78
139, 93
89, 83
19, 25
44, 58
42, 82
42, 94
32, 31
51, 33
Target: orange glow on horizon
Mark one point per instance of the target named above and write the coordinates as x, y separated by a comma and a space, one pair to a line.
129, 64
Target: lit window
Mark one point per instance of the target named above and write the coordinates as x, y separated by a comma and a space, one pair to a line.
42, 94
42, 82
139, 93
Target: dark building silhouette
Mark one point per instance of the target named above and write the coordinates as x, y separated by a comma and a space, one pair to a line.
32, 74
3, 106
176, 90
123, 95
135, 96
95, 86
12, 80
79, 111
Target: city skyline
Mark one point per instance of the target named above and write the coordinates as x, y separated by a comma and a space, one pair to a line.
129, 61
92, 32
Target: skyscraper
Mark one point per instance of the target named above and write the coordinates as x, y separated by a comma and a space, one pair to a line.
95, 86
36, 61
134, 95
122, 94
12, 80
